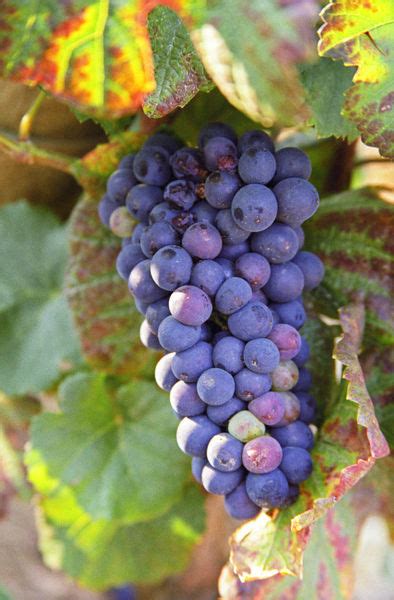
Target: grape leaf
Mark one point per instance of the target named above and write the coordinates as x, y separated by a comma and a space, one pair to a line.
362, 35
250, 49
346, 448
106, 318
95, 55
179, 73
352, 233
102, 553
325, 83
37, 335
114, 446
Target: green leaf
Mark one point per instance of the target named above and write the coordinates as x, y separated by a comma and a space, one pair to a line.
346, 448
37, 335
105, 316
4, 595
325, 83
179, 73
352, 233
251, 48
115, 447
362, 35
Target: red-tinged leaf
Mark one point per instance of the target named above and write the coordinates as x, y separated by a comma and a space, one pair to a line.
346, 448
361, 34
95, 55
104, 313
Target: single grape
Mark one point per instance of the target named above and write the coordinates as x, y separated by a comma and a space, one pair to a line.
292, 409
215, 386
190, 305
217, 482
207, 275
142, 199
294, 492
245, 427
234, 251
197, 466
238, 504
175, 336
185, 400
286, 339
119, 183
127, 258
141, 306
164, 376
220, 188
278, 243
206, 332
148, 338
292, 313
267, 490
254, 207
292, 162
182, 221
254, 268
224, 452
286, 282
268, 408
252, 321
259, 296
297, 200
261, 355
204, 213
227, 266
181, 193
127, 162
171, 267
214, 130
231, 233
232, 295
256, 165
202, 240
262, 455
194, 433
221, 414
249, 385
169, 142
156, 313
157, 236
163, 212
304, 381
106, 207
189, 364
255, 139
312, 268
228, 354
303, 354
151, 166
220, 153
137, 232
121, 223
307, 407
284, 376
188, 163
295, 434
300, 234
141, 284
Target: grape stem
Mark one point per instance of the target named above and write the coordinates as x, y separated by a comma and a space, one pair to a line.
27, 120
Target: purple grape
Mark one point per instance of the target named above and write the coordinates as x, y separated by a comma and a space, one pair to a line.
295, 434
232, 295
227, 266
202, 240
296, 464
190, 305
268, 408
292, 162
255, 139
254, 207
119, 183
234, 251
175, 336
224, 452
169, 142
301, 235
137, 232
262, 455
249, 385
148, 338
254, 268
222, 413
228, 354
206, 332
127, 162
256, 165
188, 163
215, 386
286, 282
182, 221
162, 212
157, 236
294, 492
278, 243
151, 166
304, 381
252, 321
259, 296
219, 483
311, 267
230, 232
214, 130
303, 354
181, 193
171, 267
156, 313
204, 213
127, 258
220, 188
189, 364
238, 504
287, 339
292, 409
106, 207
307, 407
185, 400
141, 306
220, 153
245, 427
284, 376
141, 199
164, 376
297, 200
292, 313
194, 433
267, 490
207, 275
261, 355
141, 284
197, 466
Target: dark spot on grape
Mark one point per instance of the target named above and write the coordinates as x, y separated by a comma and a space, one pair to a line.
239, 214
215, 177
143, 168
168, 253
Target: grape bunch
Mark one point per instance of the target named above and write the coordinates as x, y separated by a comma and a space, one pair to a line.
215, 264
